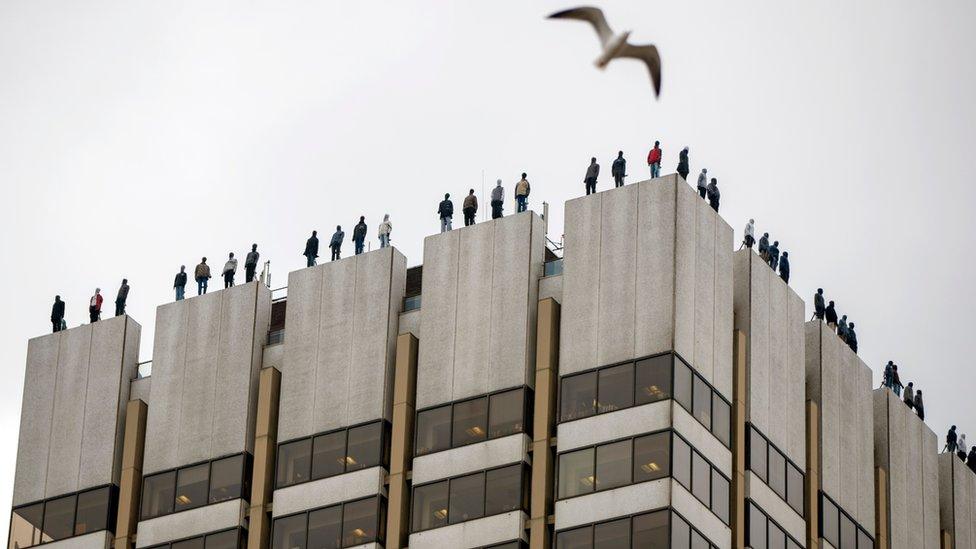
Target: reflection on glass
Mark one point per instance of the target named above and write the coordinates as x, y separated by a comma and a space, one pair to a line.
289, 533
681, 462
578, 397
193, 543
757, 528
26, 526
703, 402
576, 473
848, 532
720, 496
613, 465
434, 430
829, 521
470, 421
158, 494
223, 540
59, 517
359, 522
226, 478
365, 447
777, 472
651, 530
776, 537
794, 488
580, 538
654, 379
682, 384
329, 454
651, 459
505, 413
503, 490
612, 535
191, 486
294, 462
429, 506
698, 541
325, 528
757, 454
721, 420
615, 389
467, 498
93, 511
680, 533
700, 478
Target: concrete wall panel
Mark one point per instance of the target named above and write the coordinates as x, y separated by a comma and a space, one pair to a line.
473, 533
68, 421
581, 283
618, 276
847, 431
336, 340
722, 367
202, 520
778, 365
474, 308
435, 365
796, 445
654, 311
685, 279
865, 464
163, 420
96, 540
299, 366
409, 323
551, 286
702, 439
328, 491
619, 424
199, 378
913, 464
471, 458
930, 488
705, 276
619, 502
898, 494
35, 418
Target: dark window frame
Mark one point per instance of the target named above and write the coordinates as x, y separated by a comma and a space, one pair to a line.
751, 431
385, 437
527, 401
110, 519
841, 514
238, 529
381, 511
672, 513
750, 503
245, 483
712, 469
523, 489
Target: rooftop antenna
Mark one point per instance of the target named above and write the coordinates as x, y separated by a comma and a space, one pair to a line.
545, 218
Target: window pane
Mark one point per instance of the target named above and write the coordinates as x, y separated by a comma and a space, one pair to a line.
681, 461
503, 490
720, 496
294, 462
467, 498
329, 454
580, 538
25, 526
359, 522
794, 488
612, 535
680, 533
651, 530
289, 533
698, 541
613, 465
721, 420
757, 528
790, 544
434, 430
325, 528
470, 421
93, 511
777, 537
864, 541
777, 472
682, 384
578, 397
429, 506
651, 457
701, 474
224, 540
191, 486
576, 473
848, 533
158, 494
703, 402
59, 515
365, 448
829, 518
654, 379
193, 543
616, 388
226, 479
757, 454
505, 413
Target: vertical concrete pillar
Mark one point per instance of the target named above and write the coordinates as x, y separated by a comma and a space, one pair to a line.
130, 484
811, 491
546, 376
265, 445
401, 451
946, 540
739, 440
881, 508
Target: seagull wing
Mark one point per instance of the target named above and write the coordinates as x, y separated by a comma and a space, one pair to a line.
648, 54
592, 15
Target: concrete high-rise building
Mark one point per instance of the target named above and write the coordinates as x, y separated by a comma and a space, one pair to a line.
651, 388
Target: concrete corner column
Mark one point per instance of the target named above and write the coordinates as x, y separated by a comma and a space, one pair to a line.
130, 483
880, 508
265, 446
401, 444
812, 488
544, 411
739, 440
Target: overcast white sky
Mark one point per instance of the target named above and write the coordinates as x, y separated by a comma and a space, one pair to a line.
136, 136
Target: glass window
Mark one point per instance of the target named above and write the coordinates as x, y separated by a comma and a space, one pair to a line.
503, 491
294, 462
430, 506
757, 454
777, 472
654, 379
505, 413
434, 430
777, 537
226, 479
720, 496
289, 533
682, 384
576, 473
26, 526
93, 511
578, 397
703, 402
360, 520
701, 474
790, 544
580, 538
680, 532
192, 543
613, 465
848, 533
470, 421
721, 420
616, 388
757, 528
191, 486
651, 457
863, 540
794, 488
325, 528
59, 517
467, 498
681, 462
651, 530
329, 454
157, 494
365, 447
612, 535
829, 519
224, 540
698, 541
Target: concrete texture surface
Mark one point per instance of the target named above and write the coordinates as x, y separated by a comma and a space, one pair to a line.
774, 506
700, 516
471, 458
194, 522
619, 424
608, 504
473, 533
329, 491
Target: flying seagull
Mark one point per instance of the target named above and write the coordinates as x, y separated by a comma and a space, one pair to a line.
615, 45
